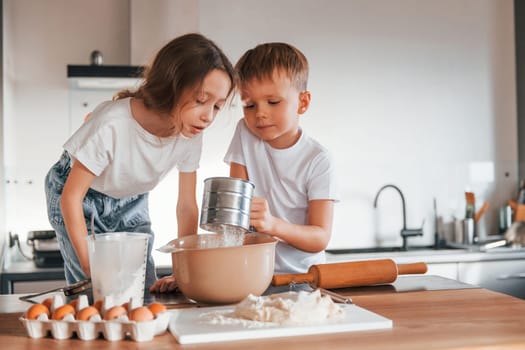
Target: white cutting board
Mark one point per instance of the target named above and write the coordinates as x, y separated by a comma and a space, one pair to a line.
189, 327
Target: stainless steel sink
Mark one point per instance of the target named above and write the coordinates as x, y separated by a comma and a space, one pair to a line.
507, 249
364, 250
495, 244
389, 249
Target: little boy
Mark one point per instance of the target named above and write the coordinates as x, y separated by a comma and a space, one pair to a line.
292, 173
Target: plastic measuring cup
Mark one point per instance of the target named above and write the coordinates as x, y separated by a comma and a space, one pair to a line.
118, 266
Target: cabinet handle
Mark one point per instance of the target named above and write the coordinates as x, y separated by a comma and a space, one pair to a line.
512, 276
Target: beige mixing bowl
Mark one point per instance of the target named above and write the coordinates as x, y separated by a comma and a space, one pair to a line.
208, 272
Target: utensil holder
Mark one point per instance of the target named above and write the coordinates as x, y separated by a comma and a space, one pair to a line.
465, 231
519, 211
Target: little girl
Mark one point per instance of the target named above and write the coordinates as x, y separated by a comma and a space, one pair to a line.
127, 146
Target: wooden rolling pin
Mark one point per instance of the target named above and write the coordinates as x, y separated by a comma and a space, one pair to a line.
351, 274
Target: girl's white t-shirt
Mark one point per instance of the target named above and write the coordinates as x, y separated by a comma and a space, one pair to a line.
288, 179
126, 159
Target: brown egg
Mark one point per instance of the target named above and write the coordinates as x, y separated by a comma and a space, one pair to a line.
115, 312
141, 314
63, 311
125, 306
86, 313
36, 310
48, 302
157, 308
98, 304
74, 303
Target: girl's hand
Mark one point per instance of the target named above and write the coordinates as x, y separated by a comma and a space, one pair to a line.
260, 216
86, 269
164, 285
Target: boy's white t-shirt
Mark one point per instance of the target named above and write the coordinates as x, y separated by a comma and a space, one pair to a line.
126, 159
287, 179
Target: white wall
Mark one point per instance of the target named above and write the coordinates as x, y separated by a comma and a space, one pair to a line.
415, 93
409, 92
41, 39
3, 233
155, 22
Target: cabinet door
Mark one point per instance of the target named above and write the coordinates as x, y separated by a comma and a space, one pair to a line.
83, 102
505, 276
30, 287
447, 270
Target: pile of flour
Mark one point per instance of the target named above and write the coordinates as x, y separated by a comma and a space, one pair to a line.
292, 308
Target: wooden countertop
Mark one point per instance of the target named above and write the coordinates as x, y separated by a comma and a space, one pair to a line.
465, 318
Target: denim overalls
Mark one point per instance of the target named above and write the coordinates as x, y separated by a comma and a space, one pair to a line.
128, 214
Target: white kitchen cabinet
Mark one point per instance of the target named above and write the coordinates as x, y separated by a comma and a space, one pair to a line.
505, 276
87, 92
82, 102
502, 271
447, 270
30, 287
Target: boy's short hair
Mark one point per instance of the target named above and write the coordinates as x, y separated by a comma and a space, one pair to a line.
261, 62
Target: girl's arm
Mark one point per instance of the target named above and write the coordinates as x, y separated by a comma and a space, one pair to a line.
187, 221
187, 210
75, 189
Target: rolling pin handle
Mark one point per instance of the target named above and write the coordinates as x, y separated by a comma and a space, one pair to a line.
284, 279
414, 268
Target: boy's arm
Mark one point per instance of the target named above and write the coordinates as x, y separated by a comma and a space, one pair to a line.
312, 237
238, 171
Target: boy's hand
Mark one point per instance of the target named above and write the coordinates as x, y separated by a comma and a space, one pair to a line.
164, 285
260, 217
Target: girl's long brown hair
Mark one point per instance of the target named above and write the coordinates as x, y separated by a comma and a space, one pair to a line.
180, 65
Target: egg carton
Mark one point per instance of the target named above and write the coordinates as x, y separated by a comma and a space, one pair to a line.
113, 330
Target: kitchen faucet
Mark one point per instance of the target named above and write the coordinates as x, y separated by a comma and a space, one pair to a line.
405, 232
